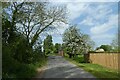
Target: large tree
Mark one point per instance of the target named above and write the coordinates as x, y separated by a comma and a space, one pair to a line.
28, 20
31, 18
72, 39
76, 42
37, 17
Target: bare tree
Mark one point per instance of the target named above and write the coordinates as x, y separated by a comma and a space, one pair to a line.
34, 18
89, 43
115, 43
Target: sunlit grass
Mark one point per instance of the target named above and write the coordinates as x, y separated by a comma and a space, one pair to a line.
95, 69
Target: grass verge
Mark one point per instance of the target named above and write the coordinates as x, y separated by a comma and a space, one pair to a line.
95, 69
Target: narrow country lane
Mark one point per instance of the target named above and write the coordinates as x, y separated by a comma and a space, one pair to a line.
58, 67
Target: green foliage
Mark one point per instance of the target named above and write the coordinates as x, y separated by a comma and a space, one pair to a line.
71, 38
107, 48
79, 59
57, 47
48, 51
13, 68
19, 59
48, 45
91, 52
8, 31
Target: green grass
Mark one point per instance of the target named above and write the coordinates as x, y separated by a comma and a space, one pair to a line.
95, 69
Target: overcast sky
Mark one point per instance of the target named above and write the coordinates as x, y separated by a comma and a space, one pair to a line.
98, 19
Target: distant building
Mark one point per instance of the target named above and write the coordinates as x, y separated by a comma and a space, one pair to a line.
100, 50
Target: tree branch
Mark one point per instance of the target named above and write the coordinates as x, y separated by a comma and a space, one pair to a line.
37, 33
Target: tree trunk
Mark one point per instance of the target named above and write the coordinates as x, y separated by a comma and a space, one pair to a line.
70, 55
86, 58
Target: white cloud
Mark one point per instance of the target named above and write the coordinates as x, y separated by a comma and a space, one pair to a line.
60, 27
76, 9
102, 12
102, 39
103, 28
99, 12
100, 32
88, 21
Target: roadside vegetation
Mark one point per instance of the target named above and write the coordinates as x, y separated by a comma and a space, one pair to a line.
95, 69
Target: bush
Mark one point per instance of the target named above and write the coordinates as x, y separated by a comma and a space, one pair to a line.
15, 69
91, 52
18, 58
79, 59
12, 68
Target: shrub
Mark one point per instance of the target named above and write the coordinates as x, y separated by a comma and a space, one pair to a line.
12, 68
